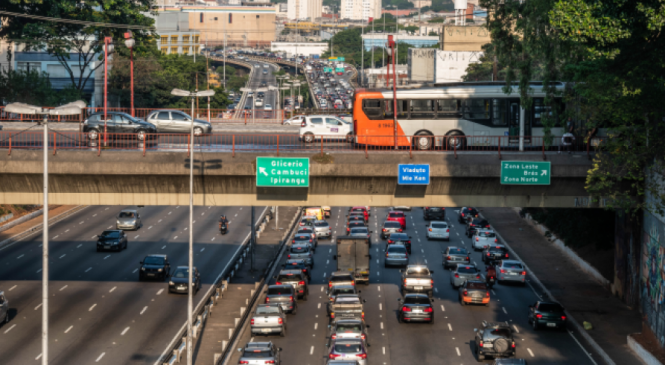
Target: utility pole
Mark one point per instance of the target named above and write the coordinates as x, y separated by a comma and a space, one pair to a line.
253, 241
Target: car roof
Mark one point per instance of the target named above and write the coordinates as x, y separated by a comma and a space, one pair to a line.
398, 234
300, 244
349, 320
416, 295
156, 255
417, 266
129, 210
185, 267
283, 286
258, 344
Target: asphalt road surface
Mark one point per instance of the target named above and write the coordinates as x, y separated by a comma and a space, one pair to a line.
258, 78
99, 311
449, 340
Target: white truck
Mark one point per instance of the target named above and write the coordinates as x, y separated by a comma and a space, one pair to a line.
268, 319
352, 255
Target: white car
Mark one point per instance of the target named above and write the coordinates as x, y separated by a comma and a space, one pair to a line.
266, 66
483, 239
258, 102
250, 94
267, 107
327, 127
438, 230
297, 120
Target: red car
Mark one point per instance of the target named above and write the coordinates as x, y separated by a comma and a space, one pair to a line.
397, 216
359, 210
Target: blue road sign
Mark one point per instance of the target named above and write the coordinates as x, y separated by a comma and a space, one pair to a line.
413, 174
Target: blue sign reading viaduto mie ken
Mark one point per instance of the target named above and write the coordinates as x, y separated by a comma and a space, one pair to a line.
413, 174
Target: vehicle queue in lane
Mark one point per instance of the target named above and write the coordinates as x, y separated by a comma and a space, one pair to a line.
502, 324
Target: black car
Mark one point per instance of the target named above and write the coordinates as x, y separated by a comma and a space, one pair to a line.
416, 308
465, 213
494, 340
476, 224
354, 224
298, 264
155, 267
547, 314
115, 240
261, 94
434, 213
180, 280
294, 278
494, 253
402, 238
119, 126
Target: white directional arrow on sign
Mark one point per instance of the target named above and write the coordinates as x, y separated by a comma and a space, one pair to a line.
544, 173
262, 170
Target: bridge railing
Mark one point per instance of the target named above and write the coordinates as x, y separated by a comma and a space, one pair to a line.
292, 143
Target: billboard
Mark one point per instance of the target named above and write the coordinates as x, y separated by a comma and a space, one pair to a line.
450, 66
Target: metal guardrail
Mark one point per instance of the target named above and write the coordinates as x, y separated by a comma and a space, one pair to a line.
175, 349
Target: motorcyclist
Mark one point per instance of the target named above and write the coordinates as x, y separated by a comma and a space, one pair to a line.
223, 221
491, 273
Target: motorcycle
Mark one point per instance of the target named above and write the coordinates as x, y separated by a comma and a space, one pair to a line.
223, 228
491, 280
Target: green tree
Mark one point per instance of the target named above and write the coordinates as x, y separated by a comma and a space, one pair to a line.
34, 88
85, 42
439, 5
412, 28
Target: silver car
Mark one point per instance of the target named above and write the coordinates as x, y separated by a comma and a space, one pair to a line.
482, 239
462, 273
4, 308
351, 349
302, 251
396, 255
390, 227
128, 219
510, 270
322, 229
259, 353
345, 329
455, 255
437, 230
360, 232
175, 121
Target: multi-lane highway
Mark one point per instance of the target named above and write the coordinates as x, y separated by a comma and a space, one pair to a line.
99, 311
261, 80
449, 340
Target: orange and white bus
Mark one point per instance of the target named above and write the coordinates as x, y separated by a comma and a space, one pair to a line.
430, 117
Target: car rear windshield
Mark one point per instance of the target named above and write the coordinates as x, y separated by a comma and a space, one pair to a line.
503, 332
280, 291
416, 300
347, 300
439, 225
474, 285
396, 215
417, 271
496, 249
302, 237
111, 234
359, 230
348, 327
511, 265
391, 225
256, 354
457, 251
267, 310
341, 278
356, 224
467, 269
347, 348
396, 249
154, 261
486, 234
338, 291
299, 249
126, 215
322, 224
550, 307
288, 277
434, 209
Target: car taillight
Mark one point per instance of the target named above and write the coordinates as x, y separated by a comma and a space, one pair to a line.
347, 229
267, 300
390, 241
513, 345
329, 284
243, 362
430, 230
563, 318
334, 336
523, 273
487, 294
333, 356
294, 241
477, 239
431, 281
303, 124
506, 255
289, 256
362, 315
449, 258
252, 321
495, 240
362, 337
290, 299
279, 320
467, 258
456, 275
362, 356
477, 276
386, 254
304, 270
503, 271
278, 283
447, 230
462, 214
539, 315
465, 293
480, 344
384, 229
332, 315
406, 309
301, 283
400, 230
353, 283
428, 310
404, 281
488, 254
310, 240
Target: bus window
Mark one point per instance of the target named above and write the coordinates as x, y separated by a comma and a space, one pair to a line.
448, 108
540, 110
372, 109
476, 109
422, 109
402, 109
499, 112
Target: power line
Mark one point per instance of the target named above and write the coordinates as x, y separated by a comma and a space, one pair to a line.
77, 22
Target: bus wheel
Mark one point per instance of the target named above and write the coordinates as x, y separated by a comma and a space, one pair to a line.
456, 140
423, 141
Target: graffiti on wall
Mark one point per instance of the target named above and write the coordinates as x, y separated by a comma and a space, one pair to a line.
653, 270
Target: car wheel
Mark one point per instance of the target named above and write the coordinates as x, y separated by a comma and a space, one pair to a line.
140, 135
480, 356
7, 317
349, 138
400, 319
308, 138
456, 140
93, 134
423, 141
283, 333
385, 265
295, 310
534, 324
461, 301
198, 131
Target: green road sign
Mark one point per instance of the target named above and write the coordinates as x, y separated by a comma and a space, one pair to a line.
525, 173
327, 69
339, 69
341, 59
282, 171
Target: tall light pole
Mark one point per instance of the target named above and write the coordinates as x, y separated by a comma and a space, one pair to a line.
108, 48
129, 42
391, 45
67, 109
190, 299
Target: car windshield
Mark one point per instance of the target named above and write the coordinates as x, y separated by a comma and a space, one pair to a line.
347, 347
181, 273
512, 265
439, 225
456, 251
299, 249
111, 234
396, 215
396, 249
502, 332
486, 234
391, 225
417, 271
302, 237
280, 291
321, 224
496, 249
256, 353
416, 300
348, 327
267, 310
476, 285
356, 224
338, 291
550, 307
152, 260
467, 269
126, 215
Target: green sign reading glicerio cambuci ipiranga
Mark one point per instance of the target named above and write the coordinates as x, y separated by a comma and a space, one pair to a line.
282, 171
525, 173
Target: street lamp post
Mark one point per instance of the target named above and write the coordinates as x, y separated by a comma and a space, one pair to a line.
391, 50
108, 48
190, 299
67, 109
129, 42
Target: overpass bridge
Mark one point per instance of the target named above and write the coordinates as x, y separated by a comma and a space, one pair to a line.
81, 177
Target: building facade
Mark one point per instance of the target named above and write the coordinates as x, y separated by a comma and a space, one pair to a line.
450, 66
360, 9
460, 38
380, 39
304, 9
299, 48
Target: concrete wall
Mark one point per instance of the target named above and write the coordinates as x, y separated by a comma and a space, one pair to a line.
464, 38
420, 63
161, 178
450, 66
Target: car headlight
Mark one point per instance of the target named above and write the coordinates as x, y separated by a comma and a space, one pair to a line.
143, 269
171, 283
159, 270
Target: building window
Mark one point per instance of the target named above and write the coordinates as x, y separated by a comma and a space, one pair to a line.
257, 17
29, 66
201, 18
196, 49
165, 50
196, 39
164, 39
174, 50
174, 39
185, 39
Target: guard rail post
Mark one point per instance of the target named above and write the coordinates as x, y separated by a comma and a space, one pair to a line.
321, 146
278, 145
366, 157
188, 138
99, 146
54, 141
144, 143
233, 148
455, 147
410, 152
10, 146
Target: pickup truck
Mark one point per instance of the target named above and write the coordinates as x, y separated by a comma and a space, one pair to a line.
352, 256
268, 319
346, 306
417, 279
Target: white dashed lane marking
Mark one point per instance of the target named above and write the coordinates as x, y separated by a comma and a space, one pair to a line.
13, 287
69, 329
112, 289
92, 307
530, 352
100, 356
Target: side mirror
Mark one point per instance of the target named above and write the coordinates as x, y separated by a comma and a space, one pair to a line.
431, 271
399, 299
274, 277
401, 270
239, 349
329, 326
367, 325
475, 330
141, 262
334, 257
410, 237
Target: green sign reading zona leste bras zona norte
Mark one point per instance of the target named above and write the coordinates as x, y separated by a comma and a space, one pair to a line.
282, 171
526, 173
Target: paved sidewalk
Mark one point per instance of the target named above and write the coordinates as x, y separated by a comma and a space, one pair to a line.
217, 127
582, 296
54, 211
